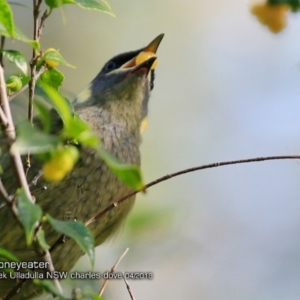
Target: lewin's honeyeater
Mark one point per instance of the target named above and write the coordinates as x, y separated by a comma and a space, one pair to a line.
115, 106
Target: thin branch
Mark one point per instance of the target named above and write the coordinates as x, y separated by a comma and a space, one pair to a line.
112, 270
3, 204
4, 194
169, 176
35, 179
36, 37
8, 198
51, 269
61, 239
128, 288
45, 15
10, 133
37, 32
3, 118
5, 105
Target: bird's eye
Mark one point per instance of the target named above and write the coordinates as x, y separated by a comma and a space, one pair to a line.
111, 65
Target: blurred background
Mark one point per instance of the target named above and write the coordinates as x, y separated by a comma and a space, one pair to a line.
226, 88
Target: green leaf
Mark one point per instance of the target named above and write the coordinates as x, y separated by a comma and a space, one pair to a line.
129, 174
53, 78
8, 255
78, 232
62, 105
53, 58
7, 18
44, 115
29, 214
41, 239
18, 35
50, 287
57, 3
30, 139
87, 294
40, 92
24, 79
80, 131
101, 5
16, 58
295, 4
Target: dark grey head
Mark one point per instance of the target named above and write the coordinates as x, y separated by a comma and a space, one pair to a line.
122, 87
117, 74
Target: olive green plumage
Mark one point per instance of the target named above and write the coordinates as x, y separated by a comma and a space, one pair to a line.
114, 106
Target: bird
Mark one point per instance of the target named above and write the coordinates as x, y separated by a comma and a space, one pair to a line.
115, 106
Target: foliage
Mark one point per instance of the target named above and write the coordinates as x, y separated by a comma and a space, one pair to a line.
294, 4
44, 80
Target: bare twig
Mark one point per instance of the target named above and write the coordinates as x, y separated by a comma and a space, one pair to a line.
35, 54
4, 121
37, 32
35, 179
169, 176
128, 288
112, 270
47, 258
45, 15
61, 239
8, 198
10, 133
3, 204
4, 193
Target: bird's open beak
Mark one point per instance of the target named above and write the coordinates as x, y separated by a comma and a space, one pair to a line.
145, 66
153, 46
145, 53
